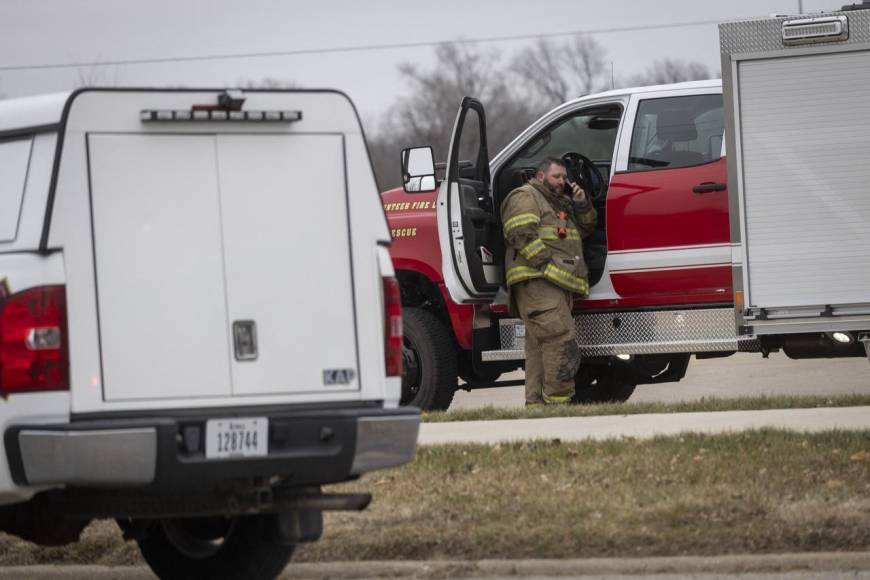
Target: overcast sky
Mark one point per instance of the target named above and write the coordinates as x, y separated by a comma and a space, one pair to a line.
35, 33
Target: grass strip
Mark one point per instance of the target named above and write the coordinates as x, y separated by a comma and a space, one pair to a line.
755, 492
701, 405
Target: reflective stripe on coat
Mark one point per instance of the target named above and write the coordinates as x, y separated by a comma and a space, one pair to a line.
534, 246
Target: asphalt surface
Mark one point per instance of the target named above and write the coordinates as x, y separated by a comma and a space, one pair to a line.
741, 375
141, 573
806, 566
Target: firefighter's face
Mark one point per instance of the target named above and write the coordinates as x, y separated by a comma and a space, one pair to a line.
554, 178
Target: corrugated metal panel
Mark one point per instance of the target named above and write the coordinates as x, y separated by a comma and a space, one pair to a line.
806, 171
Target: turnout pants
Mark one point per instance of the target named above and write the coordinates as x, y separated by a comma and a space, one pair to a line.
552, 355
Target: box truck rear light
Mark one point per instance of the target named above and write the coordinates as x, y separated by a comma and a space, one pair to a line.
393, 327
209, 115
813, 30
33, 346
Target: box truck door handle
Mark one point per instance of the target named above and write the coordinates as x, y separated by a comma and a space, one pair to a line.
709, 186
245, 339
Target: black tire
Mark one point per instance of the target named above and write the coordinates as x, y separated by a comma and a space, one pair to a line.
429, 375
241, 547
601, 384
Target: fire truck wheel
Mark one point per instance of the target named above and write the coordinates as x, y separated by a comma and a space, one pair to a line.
601, 384
430, 362
242, 547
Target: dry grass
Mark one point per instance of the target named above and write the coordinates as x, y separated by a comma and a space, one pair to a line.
756, 492
100, 543
767, 491
702, 405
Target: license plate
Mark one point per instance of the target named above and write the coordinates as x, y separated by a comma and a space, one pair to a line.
520, 331
236, 438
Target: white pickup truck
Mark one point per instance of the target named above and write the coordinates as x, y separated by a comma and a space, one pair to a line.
199, 324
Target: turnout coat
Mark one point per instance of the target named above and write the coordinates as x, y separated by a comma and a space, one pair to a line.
544, 234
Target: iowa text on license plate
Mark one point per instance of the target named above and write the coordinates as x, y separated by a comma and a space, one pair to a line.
247, 437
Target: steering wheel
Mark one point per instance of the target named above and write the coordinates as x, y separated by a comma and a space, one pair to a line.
582, 171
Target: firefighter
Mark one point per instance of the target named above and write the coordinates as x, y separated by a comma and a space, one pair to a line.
544, 222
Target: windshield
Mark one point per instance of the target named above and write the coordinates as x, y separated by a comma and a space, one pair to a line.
591, 133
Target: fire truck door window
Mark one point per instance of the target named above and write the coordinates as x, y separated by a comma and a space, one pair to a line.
590, 133
469, 146
676, 132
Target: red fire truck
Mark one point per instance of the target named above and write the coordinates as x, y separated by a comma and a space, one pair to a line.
663, 261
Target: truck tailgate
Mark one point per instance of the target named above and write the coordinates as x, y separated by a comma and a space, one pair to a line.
223, 265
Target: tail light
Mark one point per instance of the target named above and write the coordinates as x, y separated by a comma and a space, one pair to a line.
33, 341
392, 327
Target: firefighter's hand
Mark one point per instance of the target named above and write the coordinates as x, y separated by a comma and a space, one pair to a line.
577, 192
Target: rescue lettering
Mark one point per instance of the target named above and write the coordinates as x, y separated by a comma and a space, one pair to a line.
404, 232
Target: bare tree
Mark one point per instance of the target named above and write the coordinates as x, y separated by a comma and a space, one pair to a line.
97, 76
669, 70
384, 151
427, 114
267, 83
551, 72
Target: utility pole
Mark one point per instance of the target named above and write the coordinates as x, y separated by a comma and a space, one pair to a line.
800, 6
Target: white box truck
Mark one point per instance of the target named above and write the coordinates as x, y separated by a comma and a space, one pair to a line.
199, 324
798, 134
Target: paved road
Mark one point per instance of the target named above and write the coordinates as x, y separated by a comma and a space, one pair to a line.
806, 566
740, 375
858, 575
88, 573
142, 573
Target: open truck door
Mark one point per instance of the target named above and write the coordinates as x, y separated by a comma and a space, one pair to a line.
468, 227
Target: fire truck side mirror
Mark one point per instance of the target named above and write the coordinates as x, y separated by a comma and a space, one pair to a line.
418, 169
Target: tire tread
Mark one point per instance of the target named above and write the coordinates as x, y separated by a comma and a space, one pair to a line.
435, 346
249, 553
